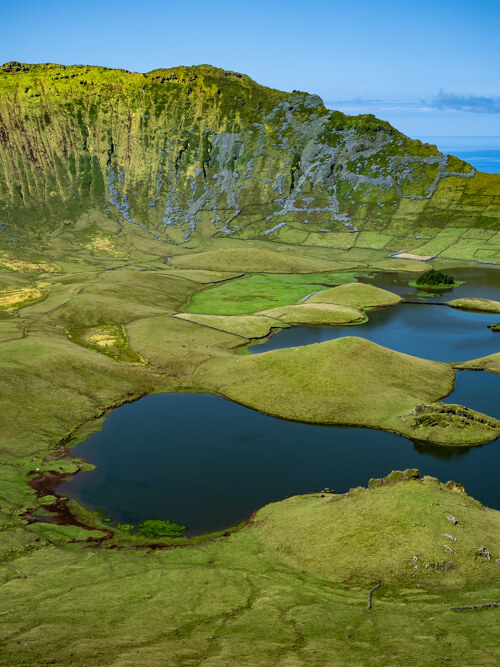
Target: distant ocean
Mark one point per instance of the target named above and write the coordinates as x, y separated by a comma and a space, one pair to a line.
483, 153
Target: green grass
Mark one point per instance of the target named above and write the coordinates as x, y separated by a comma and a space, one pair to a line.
351, 381
261, 291
480, 305
396, 264
252, 259
363, 556
357, 295
291, 588
374, 240
293, 569
489, 363
443, 239
248, 326
336, 306
203, 277
317, 314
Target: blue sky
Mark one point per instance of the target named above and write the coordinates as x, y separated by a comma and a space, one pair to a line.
430, 68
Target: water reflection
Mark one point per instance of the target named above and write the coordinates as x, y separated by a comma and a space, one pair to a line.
440, 452
155, 461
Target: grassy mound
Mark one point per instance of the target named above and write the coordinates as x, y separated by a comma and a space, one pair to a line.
397, 529
482, 305
321, 382
489, 363
249, 259
291, 588
316, 313
353, 381
357, 295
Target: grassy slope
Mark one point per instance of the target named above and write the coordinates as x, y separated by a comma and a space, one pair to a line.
316, 313
482, 305
280, 592
248, 326
171, 159
357, 295
321, 383
490, 363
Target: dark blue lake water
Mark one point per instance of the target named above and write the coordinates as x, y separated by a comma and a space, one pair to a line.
424, 330
207, 463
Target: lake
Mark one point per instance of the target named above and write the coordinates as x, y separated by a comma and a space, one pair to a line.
208, 463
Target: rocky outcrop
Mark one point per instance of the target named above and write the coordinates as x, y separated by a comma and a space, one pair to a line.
187, 153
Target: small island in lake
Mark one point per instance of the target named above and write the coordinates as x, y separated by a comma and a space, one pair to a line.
435, 279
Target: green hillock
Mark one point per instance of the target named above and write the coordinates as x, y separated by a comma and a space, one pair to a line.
356, 295
404, 571
353, 382
479, 305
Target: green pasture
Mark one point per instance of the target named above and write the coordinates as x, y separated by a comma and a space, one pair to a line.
260, 291
289, 589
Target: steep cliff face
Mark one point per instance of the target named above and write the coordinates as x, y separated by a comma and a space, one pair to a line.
192, 152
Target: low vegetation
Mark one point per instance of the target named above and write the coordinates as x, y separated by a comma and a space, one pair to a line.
479, 305
490, 363
254, 260
109, 339
357, 295
260, 291
293, 587
10, 300
247, 326
316, 313
351, 381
